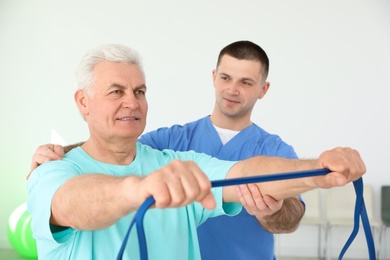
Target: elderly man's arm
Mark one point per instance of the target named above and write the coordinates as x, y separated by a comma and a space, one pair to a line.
345, 165
95, 201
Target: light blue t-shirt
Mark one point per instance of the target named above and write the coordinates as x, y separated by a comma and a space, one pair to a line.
170, 233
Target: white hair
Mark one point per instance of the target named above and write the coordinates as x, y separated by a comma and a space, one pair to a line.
85, 76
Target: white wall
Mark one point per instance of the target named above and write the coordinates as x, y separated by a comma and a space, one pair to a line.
329, 74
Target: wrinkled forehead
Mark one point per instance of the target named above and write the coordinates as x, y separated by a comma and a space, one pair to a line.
107, 73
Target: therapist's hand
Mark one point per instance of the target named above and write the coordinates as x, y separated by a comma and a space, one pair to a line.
254, 202
46, 153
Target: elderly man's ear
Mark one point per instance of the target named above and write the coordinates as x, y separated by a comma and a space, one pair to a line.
81, 99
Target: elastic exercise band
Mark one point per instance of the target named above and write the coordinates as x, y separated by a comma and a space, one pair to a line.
360, 209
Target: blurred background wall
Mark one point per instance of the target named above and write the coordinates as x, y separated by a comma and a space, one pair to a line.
329, 74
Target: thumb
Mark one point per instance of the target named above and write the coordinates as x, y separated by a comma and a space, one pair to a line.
208, 201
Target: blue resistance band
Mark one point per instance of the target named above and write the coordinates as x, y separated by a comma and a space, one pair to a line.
360, 209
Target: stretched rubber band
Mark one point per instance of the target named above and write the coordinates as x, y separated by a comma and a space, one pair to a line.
360, 210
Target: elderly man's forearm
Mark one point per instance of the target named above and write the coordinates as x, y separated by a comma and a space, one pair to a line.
87, 202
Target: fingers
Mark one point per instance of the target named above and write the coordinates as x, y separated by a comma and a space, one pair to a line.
254, 203
179, 184
251, 198
59, 150
345, 160
46, 153
273, 205
346, 165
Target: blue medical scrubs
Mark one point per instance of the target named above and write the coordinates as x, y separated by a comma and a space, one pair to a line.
239, 237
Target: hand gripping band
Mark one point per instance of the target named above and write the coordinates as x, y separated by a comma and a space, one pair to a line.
360, 209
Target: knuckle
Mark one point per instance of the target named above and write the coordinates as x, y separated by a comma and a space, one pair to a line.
193, 193
162, 201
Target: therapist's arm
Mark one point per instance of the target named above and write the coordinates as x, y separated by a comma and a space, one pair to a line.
275, 216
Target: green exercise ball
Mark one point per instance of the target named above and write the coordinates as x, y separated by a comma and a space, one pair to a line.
20, 233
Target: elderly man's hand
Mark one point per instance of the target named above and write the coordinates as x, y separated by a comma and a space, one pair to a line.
346, 166
177, 184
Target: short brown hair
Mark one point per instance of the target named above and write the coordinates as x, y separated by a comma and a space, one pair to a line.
246, 50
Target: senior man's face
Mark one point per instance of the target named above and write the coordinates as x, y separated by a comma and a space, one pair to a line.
117, 106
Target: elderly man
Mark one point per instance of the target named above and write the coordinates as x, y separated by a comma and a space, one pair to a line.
82, 204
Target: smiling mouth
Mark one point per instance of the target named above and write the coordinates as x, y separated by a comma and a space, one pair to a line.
127, 118
231, 101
